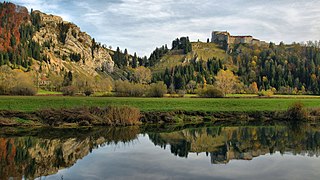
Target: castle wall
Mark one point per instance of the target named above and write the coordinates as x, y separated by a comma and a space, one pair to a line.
256, 42
224, 36
232, 40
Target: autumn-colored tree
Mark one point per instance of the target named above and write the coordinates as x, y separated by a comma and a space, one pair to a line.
15, 82
23, 84
142, 75
254, 88
226, 81
102, 84
6, 79
55, 82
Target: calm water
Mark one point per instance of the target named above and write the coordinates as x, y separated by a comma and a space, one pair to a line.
274, 152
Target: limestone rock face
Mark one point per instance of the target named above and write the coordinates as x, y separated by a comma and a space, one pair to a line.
61, 39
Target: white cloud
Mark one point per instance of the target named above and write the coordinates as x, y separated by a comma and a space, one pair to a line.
141, 25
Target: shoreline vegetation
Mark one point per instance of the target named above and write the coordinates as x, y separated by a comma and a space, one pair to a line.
153, 112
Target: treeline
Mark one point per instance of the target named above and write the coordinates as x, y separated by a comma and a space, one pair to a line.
123, 59
182, 44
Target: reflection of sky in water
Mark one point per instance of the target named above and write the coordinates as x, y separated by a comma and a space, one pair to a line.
141, 159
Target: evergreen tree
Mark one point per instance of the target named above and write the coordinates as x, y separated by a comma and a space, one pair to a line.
134, 60
1, 59
68, 78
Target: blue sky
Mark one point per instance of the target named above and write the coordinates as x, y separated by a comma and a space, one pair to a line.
142, 25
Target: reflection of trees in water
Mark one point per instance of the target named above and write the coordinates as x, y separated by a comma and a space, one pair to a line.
224, 144
44, 151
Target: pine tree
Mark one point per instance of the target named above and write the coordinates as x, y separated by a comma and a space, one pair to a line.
134, 60
1, 59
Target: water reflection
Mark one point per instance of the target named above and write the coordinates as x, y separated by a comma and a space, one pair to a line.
44, 152
226, 143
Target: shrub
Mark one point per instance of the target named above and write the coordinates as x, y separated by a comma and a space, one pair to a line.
125, 88
158, 89
69, 91
3, 90
123, 116
23, 90
267, 93
181, 93
88, 91
210, 92
297, 112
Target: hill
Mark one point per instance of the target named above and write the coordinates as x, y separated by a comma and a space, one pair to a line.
47, 48
284, 68
200, 51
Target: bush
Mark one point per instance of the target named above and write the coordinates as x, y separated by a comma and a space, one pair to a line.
3, 90
69, 91
297, 112
158, 89
210, 92
181, 93
267, 93
23, 90
125, 89
88, 91
123, 116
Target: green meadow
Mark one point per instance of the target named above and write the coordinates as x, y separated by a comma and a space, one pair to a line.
157, 104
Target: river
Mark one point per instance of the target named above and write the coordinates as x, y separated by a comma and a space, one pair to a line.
249, 152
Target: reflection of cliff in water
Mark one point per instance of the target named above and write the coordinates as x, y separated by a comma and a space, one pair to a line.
227, 143
40, 154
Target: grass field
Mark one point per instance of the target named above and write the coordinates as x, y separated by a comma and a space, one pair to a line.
155, 104
44, 92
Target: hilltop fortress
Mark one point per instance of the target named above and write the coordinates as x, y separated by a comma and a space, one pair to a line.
224, 37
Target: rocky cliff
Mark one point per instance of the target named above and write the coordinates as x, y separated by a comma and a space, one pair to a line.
60, 40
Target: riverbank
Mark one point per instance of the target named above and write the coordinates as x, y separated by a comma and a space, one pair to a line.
129, 116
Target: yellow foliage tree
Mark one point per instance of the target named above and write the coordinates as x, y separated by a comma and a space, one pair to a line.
254, 87
15, 82
142, 75
6, 76
226, 81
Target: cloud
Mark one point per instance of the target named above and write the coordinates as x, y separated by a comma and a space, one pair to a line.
141, 25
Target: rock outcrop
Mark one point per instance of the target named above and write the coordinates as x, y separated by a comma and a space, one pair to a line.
61, 39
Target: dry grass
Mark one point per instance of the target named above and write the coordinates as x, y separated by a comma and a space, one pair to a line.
123, 116
85, 116
297, 112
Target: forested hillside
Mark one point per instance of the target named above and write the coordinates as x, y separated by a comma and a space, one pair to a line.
286, 69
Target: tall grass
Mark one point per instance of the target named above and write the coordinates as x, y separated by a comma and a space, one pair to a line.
85, 116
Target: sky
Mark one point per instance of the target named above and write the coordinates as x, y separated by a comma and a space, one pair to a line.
142, 25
